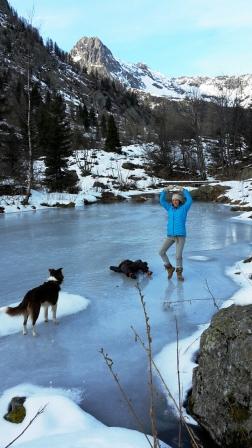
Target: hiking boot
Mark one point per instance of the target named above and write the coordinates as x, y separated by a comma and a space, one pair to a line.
170, 269
179, 274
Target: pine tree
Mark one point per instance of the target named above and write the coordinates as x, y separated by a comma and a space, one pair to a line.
92, 117
112, 142
103, 125
59, 149
84, 116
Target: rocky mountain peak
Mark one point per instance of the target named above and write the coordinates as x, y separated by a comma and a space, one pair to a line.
91, 53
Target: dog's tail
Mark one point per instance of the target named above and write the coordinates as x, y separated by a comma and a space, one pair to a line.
16, 310
115, 269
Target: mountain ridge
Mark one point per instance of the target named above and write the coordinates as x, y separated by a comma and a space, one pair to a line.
91, 53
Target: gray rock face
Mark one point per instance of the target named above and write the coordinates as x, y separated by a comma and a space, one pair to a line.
91, 53
221, 399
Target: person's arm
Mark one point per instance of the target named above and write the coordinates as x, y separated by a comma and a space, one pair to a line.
163, 200
188, 199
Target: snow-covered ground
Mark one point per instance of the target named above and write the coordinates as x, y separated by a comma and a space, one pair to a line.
108, 172
62, 423
240, 194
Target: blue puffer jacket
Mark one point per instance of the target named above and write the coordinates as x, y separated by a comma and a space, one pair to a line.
176, 215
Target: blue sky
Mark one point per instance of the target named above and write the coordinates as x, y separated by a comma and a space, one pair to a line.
174, 37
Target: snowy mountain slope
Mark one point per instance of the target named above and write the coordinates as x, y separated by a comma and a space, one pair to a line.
91, 53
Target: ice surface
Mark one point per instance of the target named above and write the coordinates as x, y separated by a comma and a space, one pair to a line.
67, 304
85, 242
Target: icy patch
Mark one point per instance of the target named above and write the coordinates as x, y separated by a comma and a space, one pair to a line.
67, 304
62, 423
199, 258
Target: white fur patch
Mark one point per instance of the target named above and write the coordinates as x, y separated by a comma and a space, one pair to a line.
52, 279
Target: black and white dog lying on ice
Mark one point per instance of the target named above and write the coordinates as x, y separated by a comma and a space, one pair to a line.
132, 268
45, 295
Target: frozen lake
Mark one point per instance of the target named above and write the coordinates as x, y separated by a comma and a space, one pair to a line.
85, 242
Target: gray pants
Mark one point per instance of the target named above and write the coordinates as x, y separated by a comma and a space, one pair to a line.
168, 242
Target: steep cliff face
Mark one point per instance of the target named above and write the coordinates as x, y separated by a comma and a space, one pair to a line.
92, 54
221, 399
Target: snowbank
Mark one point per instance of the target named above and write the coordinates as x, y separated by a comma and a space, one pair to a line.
62, 424
67, 304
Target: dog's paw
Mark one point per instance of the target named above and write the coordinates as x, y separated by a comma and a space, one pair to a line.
46, 320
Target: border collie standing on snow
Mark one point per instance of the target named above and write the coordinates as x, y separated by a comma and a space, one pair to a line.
45, 295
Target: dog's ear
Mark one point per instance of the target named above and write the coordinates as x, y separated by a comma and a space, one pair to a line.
60, 269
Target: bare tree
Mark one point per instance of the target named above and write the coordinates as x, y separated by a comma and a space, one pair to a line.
195, 110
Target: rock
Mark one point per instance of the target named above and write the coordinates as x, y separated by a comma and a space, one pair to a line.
130, 166
221, 397
246, 173
136, 178
16, 410
98, 184
240, 209
58, 204
108, 197
1, 209
210, 193
138, 198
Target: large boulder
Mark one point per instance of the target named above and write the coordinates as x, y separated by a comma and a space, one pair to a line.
210, 193
221, 397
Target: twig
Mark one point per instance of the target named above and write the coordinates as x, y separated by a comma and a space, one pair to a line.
172, 302
109, 363
149, 356
179, 385
39, 412
214, 300
195, 443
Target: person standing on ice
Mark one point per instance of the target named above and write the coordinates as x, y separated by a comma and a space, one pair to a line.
176, 228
